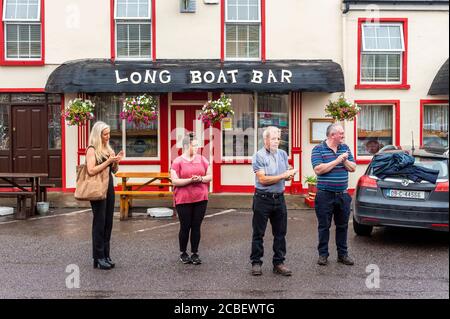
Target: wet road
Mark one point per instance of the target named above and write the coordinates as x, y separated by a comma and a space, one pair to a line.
34, 255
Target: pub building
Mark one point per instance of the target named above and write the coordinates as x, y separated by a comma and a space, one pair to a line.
280, 67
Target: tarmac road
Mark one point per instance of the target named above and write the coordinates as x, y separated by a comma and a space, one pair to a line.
34, 255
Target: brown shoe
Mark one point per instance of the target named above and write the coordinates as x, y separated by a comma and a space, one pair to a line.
346, 260
282, 270
256, 270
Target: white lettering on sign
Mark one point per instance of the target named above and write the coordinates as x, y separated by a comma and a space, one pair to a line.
271, 78
233, 74
222, 78
118, 79
208, 77
286, 75
164, 77
136, 78
150, 77
257, 77
196, 77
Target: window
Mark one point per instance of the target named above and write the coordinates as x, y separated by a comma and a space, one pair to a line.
382, 53
381, 56
273, 110
22, 30
4, 127
239, 133
140, 141
375, 128
243, 29
54, 122
435, 125
133, 29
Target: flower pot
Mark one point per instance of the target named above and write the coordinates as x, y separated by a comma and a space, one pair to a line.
312, 190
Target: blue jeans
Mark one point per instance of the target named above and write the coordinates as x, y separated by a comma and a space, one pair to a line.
329, 204
266, 208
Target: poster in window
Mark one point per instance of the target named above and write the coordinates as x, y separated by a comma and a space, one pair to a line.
227, 124
318, 130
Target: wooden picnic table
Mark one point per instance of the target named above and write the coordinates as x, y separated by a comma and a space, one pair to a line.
34, 180
159, 180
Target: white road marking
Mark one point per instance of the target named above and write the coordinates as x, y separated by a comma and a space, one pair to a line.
44, 217
177, 223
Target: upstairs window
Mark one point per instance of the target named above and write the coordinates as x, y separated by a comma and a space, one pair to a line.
383, 47
133, 29
243, 30
22, 30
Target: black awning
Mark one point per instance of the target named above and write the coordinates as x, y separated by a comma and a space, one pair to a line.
164, 76
440, 82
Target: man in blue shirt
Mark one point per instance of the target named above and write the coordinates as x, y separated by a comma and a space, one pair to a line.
272, 169
332, 160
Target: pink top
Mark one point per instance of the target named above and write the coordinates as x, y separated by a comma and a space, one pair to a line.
194, 192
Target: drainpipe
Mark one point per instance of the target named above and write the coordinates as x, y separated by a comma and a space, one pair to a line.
344, 45
344, 40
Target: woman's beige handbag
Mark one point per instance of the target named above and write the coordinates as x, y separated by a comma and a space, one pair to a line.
91, 187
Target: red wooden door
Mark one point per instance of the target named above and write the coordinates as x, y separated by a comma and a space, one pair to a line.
184, 119
29, 133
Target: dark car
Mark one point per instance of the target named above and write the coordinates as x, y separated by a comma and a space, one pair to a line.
398, 201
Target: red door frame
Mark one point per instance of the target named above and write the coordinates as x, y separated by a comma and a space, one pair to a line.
190, 116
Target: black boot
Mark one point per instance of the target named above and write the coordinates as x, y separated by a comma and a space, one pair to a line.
102, 264
109, 261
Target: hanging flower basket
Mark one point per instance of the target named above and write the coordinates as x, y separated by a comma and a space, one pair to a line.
140, 110
78, 112
216, 110
341, 110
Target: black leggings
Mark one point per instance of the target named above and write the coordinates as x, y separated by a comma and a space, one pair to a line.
103, 211
191, 217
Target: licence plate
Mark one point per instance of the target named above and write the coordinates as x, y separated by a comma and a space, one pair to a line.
405, 194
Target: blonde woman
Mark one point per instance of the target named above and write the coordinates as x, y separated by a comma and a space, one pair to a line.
100, 156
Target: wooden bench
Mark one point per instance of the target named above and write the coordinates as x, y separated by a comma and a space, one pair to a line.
126, 197
159, 185
22, 212
42, 196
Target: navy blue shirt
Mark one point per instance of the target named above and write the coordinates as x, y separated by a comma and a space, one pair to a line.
273, 165
335, 180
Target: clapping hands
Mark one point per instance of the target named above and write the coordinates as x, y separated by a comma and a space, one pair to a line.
343, 157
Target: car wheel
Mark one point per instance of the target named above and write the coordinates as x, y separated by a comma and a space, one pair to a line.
362, 230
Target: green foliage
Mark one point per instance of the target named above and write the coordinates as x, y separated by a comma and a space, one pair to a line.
341, 110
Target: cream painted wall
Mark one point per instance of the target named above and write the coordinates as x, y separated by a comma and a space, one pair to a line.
237, 175
304, 30
187, 35
71, 142
427, 52
77, 29
25, 77
313, 105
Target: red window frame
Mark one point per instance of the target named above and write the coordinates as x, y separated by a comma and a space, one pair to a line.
263, 30
396, 118
3, 60
402, 86
113, 30
422, 106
